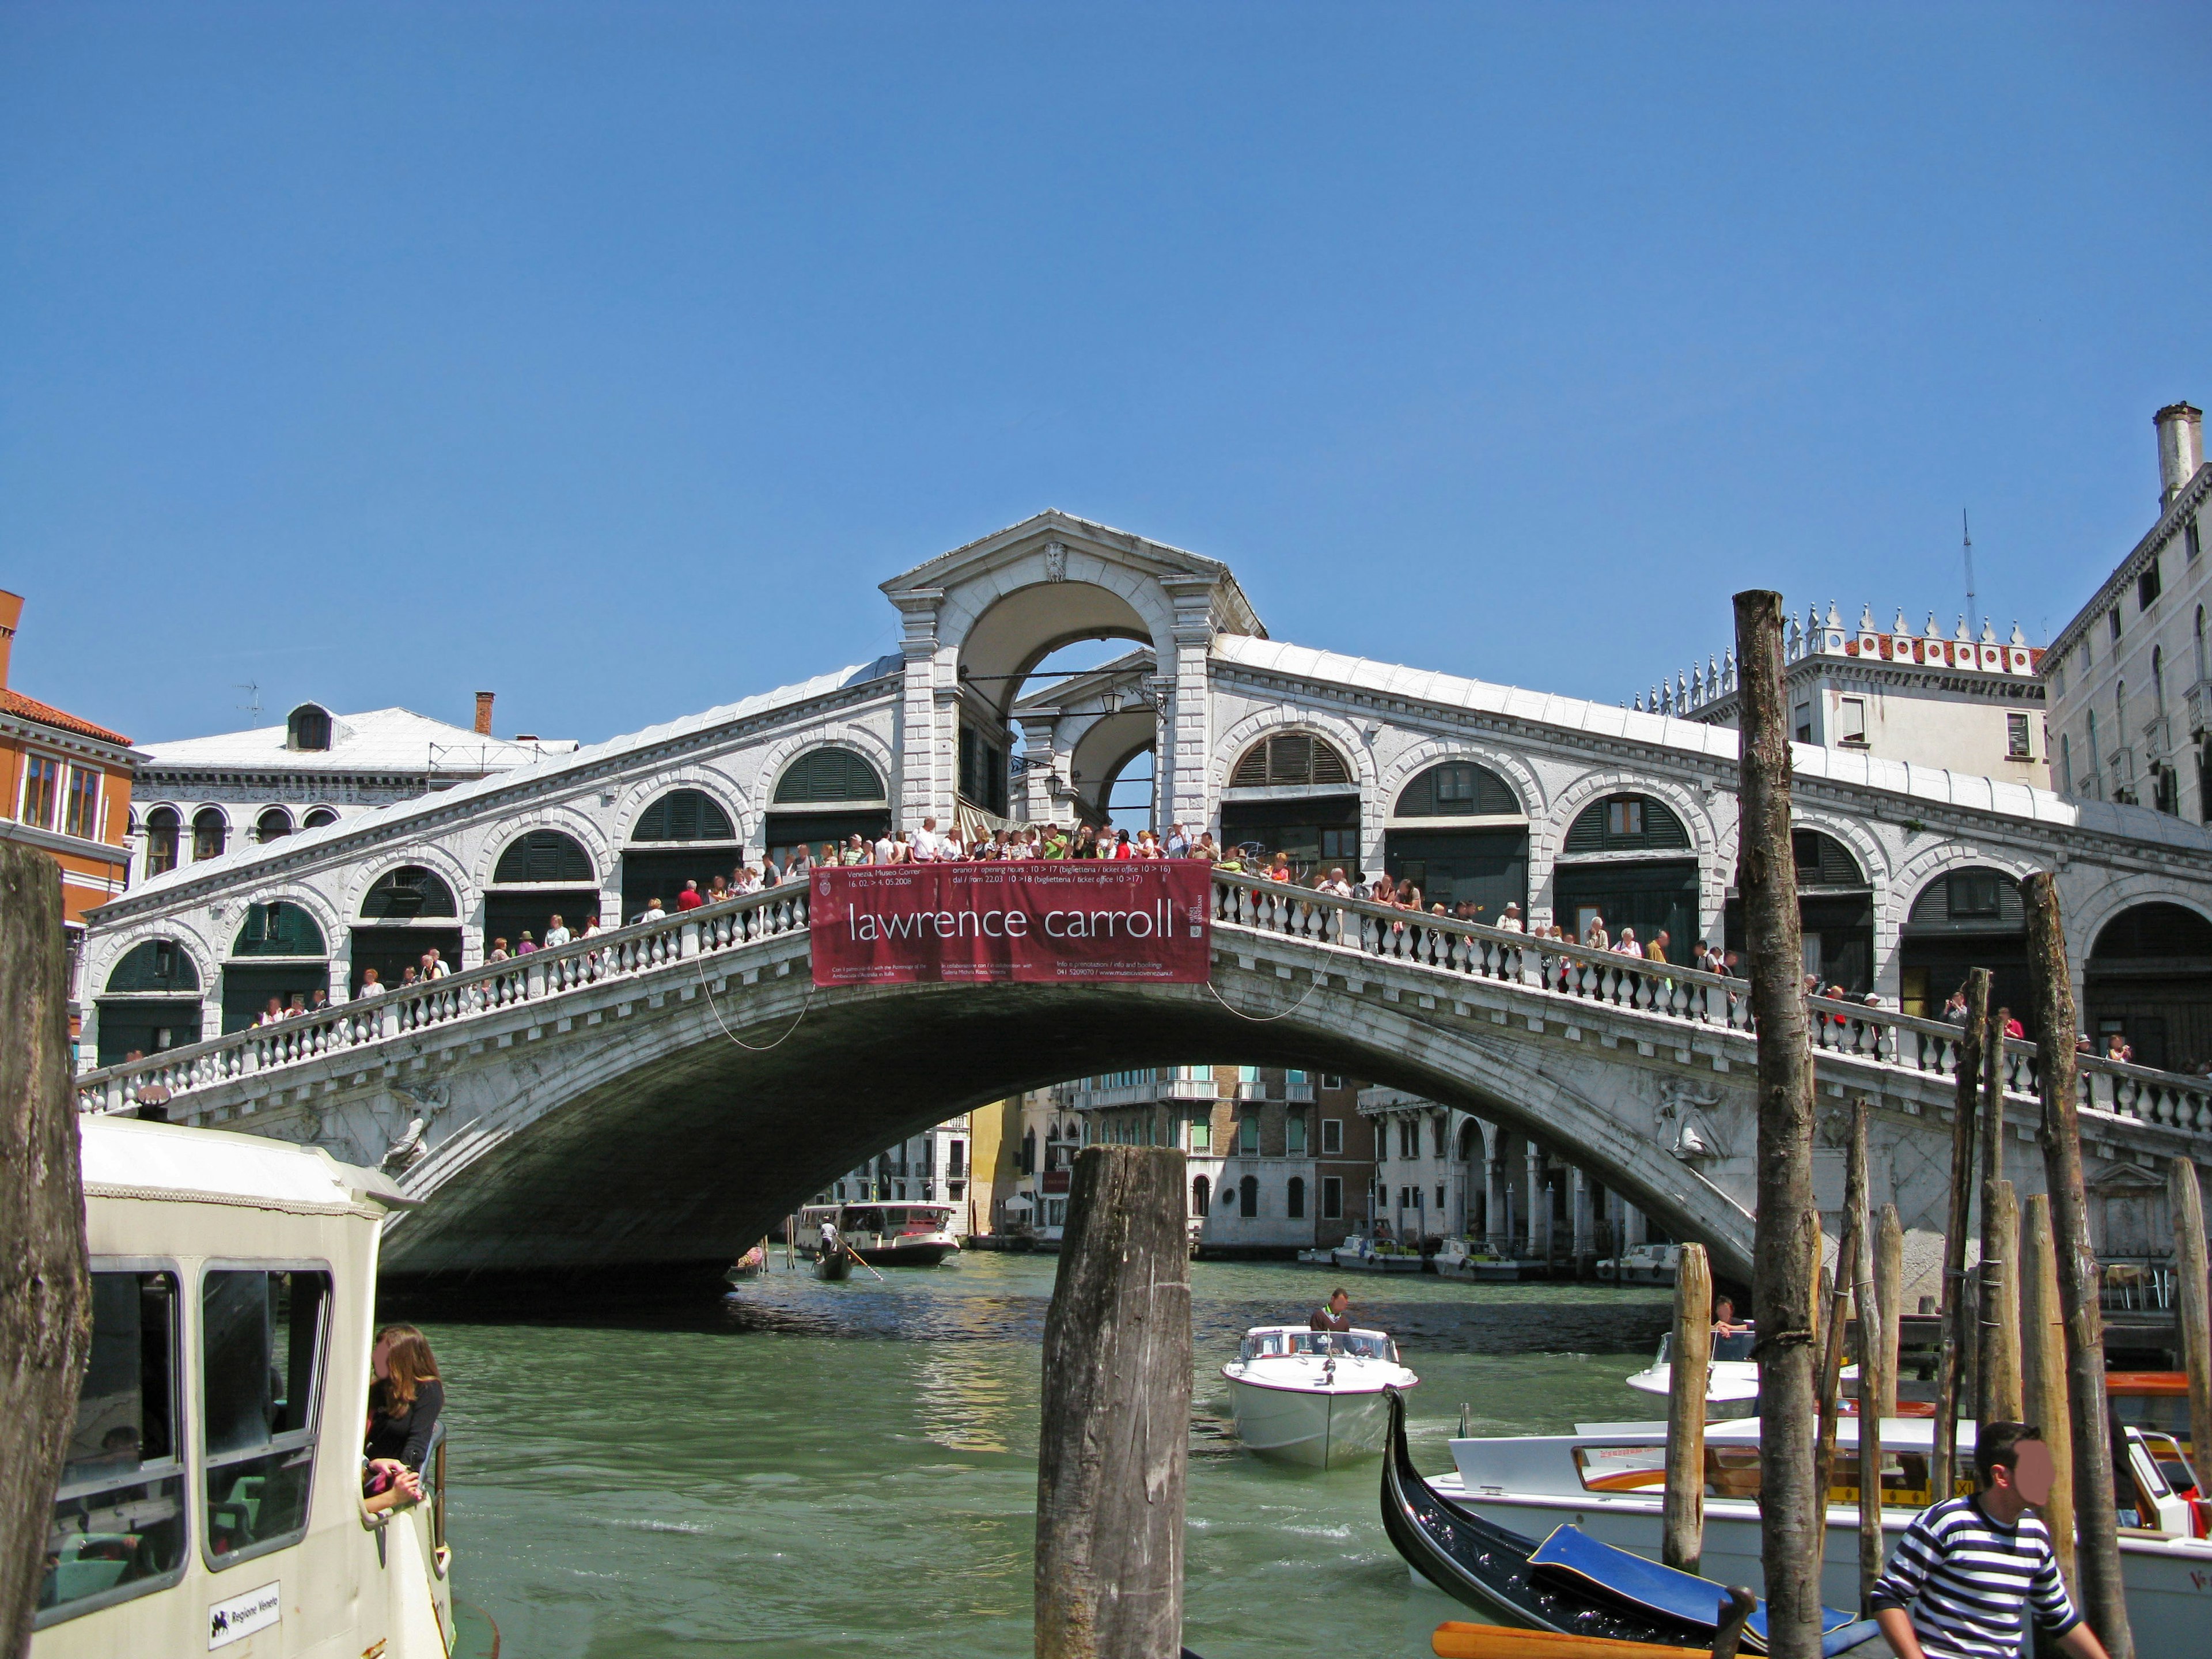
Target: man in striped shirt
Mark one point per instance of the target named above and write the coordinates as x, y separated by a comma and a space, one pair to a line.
1968, 1569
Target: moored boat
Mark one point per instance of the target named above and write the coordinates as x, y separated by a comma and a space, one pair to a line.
1362, 1255
1313, 1397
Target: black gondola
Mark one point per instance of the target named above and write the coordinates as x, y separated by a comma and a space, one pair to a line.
835, 1264
1491, 1569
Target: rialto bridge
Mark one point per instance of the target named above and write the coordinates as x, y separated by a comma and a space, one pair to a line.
662, 1092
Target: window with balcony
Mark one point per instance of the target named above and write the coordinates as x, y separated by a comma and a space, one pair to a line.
1332, 1137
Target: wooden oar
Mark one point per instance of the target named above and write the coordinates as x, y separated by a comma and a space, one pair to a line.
863, 1260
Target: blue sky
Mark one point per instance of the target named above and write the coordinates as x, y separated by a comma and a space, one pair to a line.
607, 357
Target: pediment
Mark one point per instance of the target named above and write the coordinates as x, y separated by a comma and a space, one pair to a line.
2124, 1177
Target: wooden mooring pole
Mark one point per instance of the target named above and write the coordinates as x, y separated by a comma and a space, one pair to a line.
1956, 1334
1996, 1351
1787, 1232
2104, 1597
1889, 1292
2042, 1373
1867, 1302
1114, 1446
1682, 1524
45, 1293
2186, 1200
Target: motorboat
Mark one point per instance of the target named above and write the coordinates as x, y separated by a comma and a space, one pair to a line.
1641, 1264
1608, 1479
1313, 1397
1731, 1375
1364, 1255
887, 1235
1566, 1581
210, 1492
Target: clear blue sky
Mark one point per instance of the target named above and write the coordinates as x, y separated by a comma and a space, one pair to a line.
606, 356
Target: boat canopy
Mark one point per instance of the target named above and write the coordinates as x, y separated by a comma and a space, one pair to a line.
126, 1158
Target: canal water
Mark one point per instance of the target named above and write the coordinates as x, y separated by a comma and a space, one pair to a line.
851, 1469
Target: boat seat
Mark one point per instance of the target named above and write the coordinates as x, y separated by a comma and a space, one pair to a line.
1572, 1557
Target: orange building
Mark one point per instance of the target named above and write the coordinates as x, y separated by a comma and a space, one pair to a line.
68, 785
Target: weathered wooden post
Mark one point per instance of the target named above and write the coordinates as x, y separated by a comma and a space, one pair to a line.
1788, 1228
1996, 1356
1889, 1292
1956, 1331
1831, 1365
2042, 1373
2104, 1597
1114, 1446
1682, 1524
1867, 1301
45, 1294
2187, 1203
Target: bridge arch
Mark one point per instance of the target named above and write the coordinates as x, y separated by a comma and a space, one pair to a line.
1001, 621
1242, 813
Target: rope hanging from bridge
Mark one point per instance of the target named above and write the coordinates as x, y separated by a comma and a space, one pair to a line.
1263, 1019
699, 963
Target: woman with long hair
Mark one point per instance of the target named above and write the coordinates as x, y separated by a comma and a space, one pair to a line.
404, 1400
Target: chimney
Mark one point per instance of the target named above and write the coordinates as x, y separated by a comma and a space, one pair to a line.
11, 612
2180, 449
483, 712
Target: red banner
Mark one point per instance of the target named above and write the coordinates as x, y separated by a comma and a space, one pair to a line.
1076, 922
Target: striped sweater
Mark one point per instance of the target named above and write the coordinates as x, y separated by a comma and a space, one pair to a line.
1966, 1582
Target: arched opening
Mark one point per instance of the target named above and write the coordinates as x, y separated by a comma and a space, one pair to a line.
1201, 1196
1294, 1198
408, 911
1025, 636
1248, 1197
1628, 861
1835, 911
827, 794
210, 833
151, 1001
540, 875
1458, 832
1962, 919
274, 824
684, 835
2149, 980
1294, 793
164, 829
307, 726
279, 954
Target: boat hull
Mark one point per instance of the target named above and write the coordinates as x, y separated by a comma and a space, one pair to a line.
1307, 1427
907, 1256
833, 1265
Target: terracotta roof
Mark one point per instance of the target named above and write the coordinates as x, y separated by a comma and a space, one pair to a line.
30, 708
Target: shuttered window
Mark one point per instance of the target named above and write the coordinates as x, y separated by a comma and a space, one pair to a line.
1293, 757
1627, 824
829, 774
684, 815
1456, 789
410, 891
544, 856
278, 930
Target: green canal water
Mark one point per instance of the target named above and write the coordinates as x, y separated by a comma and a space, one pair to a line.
851, 1469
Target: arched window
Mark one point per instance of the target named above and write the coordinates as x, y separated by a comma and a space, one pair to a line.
159, 964
1982, 897
1290, 757
307, 726
2153, 931
1294, 1203
409, 891
1824, 861
1247, 1196
1456, 789
1029, 1151
2158, 679
544, 856
1201, 1195
2065, 763
278, 929
318, 817
1623, 823
163, 827
684, 815
833, 773
274, 824
211, 834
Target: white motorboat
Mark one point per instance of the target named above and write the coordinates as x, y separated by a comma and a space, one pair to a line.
1360, 1253
1731, 1375
1641, 1264
1609, 1481
1314, 1397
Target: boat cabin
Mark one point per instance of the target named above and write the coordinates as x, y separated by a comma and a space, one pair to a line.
1283, 1341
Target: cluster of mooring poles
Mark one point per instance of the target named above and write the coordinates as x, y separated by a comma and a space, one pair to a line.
2029, 1327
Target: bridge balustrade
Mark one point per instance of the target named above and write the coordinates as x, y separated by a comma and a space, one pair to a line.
1548, 971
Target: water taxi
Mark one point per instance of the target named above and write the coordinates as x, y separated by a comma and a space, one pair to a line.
1731, 1375
885, 1235
210, 1496
1609, 1481
1314, 1397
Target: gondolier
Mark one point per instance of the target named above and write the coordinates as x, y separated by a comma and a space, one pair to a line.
1967, 1570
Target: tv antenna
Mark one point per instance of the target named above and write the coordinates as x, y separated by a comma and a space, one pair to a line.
253, 690
1967, 531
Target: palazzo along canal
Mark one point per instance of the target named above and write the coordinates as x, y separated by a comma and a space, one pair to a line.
851, 1469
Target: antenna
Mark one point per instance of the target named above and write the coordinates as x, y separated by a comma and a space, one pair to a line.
1973, 623
252, 690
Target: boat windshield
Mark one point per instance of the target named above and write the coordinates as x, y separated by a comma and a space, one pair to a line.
1724, 1347
1279, 1344
926, 1220
864, 1221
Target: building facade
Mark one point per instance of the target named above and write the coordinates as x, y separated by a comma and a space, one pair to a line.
68, 782
935, 1166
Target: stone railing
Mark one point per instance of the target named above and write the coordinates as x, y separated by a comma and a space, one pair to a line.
1472, 951
400, 1011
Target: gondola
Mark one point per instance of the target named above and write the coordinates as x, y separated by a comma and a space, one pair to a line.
835, 1264
1568, 1582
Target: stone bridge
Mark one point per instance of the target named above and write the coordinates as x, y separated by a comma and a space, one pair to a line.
662, 1094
